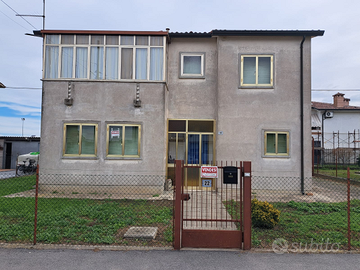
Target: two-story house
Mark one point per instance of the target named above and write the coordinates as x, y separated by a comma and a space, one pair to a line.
131, 102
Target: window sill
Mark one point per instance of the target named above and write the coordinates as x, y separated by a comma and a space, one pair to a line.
191, 77
256, 87
123, 158
91, 80
79, 157
275, 156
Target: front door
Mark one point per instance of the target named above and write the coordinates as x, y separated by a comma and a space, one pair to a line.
192, 141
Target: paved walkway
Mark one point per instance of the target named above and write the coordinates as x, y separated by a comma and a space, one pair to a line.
206, 205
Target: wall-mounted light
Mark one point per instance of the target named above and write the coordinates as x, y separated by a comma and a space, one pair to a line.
69, 101
137, 101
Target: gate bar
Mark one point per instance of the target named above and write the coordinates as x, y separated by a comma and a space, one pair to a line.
247, 205
178, 221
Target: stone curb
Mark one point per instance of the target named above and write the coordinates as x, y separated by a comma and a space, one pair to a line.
135, 248
79, 247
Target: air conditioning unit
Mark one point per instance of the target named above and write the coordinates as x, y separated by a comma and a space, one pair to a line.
329, 114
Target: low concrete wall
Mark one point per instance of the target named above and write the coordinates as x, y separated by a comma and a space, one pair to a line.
96, 184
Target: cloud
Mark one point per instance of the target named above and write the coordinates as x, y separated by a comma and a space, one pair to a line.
12, 126
20, 109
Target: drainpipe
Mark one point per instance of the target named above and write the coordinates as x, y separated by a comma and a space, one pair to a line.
302, 116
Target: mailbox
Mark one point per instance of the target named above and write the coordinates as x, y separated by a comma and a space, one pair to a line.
230, 175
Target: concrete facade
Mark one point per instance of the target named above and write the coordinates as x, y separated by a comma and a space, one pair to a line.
241, 115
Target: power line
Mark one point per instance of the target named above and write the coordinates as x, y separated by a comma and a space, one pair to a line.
15, 21
24, 88
18, 14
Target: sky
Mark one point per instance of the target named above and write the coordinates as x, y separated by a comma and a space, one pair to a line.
335, 56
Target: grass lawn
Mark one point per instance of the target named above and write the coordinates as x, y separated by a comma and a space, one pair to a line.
79, 221
17, 184
303, 222
341, 173
84, 221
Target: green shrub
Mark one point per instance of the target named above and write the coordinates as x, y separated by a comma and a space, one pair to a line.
264, 214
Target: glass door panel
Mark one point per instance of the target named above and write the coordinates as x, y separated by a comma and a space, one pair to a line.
181, 146
206, 149
193, 177
193, 148
172, 147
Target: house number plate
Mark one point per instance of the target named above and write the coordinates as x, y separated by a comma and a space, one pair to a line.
206, 182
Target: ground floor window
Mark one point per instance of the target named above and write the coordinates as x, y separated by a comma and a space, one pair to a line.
123, 140
80, 139
276, 143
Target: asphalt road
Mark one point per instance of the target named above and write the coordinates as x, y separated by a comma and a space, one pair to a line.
7, 174
168, 259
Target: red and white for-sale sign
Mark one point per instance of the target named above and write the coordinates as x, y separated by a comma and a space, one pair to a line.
209, 171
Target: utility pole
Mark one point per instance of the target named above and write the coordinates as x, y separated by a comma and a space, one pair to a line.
22, 129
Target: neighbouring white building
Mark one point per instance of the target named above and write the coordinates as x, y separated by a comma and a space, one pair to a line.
336, 126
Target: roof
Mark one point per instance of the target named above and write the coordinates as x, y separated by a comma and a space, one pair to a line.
311, 33
40, 33
19, 138
330, 106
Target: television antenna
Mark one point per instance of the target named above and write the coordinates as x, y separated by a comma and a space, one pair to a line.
32, 15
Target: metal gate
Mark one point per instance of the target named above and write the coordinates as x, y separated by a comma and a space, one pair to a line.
217, 213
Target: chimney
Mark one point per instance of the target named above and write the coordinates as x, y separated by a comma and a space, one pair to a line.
340, 101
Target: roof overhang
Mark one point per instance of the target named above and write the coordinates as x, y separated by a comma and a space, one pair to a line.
311, 33
41, 33
274, 33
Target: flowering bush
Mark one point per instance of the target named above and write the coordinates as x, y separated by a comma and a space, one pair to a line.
264, 214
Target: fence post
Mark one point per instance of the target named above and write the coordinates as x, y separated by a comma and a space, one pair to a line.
336, 156
36, 202
348, 207
313, 154
247, 205
178, 219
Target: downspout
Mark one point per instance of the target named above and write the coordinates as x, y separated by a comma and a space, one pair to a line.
302, 116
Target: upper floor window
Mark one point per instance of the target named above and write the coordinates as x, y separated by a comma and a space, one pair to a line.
104, 57
192, 65
256, 70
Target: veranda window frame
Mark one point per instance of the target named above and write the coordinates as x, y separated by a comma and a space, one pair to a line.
57, 42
